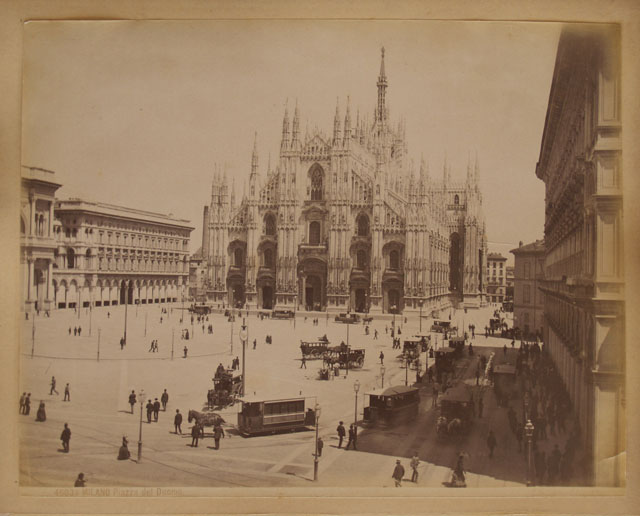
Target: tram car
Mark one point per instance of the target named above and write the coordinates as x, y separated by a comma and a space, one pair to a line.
263, 416
457, 344
392, 405
348, 318
412, 348
442, 326
313, 350
202, 309
504, 383
226, 388
456, 411
283, 314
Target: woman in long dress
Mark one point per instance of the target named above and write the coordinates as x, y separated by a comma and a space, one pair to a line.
41, 415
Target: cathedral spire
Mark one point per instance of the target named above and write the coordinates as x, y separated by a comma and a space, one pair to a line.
254, 154
347, 124
295, 128
381, 112
285, 128
336, 124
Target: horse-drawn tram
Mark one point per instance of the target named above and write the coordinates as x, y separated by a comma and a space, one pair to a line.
227, 386
392, 405
456, 411
504, 383
261, 416
314, 349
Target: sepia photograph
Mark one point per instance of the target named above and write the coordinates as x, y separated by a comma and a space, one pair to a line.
321, 254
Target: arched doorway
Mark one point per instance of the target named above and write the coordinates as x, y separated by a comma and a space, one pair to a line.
267, 297
361, 300
394, 300
313, 292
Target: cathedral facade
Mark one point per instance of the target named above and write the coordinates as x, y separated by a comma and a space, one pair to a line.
344, 222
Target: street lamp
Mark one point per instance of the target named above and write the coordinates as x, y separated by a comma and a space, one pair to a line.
382, 371
141, 397
356, 388
244, 338
315, 455
528, 428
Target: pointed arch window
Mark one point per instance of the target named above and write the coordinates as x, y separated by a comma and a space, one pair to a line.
363, 225
269, 225
317, 179
456, 200
238, 257
394, 260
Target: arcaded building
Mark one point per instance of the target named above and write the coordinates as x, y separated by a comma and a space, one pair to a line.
584, 288
344, 221
528, 299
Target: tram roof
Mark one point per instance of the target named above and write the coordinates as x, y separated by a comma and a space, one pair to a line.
392, 391
263, 399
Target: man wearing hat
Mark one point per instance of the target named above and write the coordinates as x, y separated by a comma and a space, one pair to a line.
341, 433
398, 473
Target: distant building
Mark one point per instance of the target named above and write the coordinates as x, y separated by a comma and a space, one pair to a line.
108, 255
496, 277
37, 241
197, 277
584, 286
528, 299
508, 291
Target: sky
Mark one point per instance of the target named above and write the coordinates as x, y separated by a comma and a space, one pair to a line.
139, 113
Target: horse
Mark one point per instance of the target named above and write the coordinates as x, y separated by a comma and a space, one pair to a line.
205, 419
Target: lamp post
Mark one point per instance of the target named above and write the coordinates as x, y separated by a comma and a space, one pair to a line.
33, 333
173, 334
315, 455
125, 320
528, 428
382, 371
98, 356
90, 313
141, 397
356, 388
295, 307
244, 338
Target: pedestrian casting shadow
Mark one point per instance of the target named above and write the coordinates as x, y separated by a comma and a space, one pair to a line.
62, 450
126, 412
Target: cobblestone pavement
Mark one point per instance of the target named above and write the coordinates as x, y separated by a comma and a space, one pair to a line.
99, 415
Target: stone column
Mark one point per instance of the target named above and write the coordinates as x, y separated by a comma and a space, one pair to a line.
32, 214
49, 299
30, 280
51, 219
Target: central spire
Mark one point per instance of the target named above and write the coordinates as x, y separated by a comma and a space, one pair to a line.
381, 111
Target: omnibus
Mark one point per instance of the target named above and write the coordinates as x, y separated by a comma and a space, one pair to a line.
259, 416
392, 405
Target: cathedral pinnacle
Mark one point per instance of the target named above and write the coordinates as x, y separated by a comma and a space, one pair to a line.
381, 111
285, 128
254, 155
296, 126
336, 124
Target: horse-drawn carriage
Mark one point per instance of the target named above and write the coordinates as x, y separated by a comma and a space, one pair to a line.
348, 318
202, 309
456, 411
392, 405
457, 344
345, 357
413, 346
441, 326
283, 314
226, 388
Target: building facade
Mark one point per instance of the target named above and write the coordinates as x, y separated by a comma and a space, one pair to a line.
108, 255
197, 277
37, 238
508, 291
344, 223
528, 301
496, 277
581, 165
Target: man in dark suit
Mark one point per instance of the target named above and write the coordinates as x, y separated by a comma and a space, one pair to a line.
156, 410
149, 407
195, 435
164, 399
132, 400
177, 421
65, 437
341, 433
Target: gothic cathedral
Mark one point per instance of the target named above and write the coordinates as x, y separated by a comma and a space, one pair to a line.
343, 224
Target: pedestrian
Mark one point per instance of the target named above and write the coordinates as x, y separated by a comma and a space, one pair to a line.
156, 409
149, 408
121, 343
185, 352
375, 334
491, 443
352, 438
79, 330
75, 331
415, 462
303, 363
164, 399
177, 422
65, 437
195, 435
480, 407
69, 330
218, 432
67, 396
80, 481
123, 452
381, 357
27, 404
341, 433
320, 446
132, 400
53, 386
151, 347
41, 415
398, 474
255, 341
504, 350
22, 398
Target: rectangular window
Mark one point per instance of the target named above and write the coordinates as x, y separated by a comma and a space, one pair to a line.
526, 294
